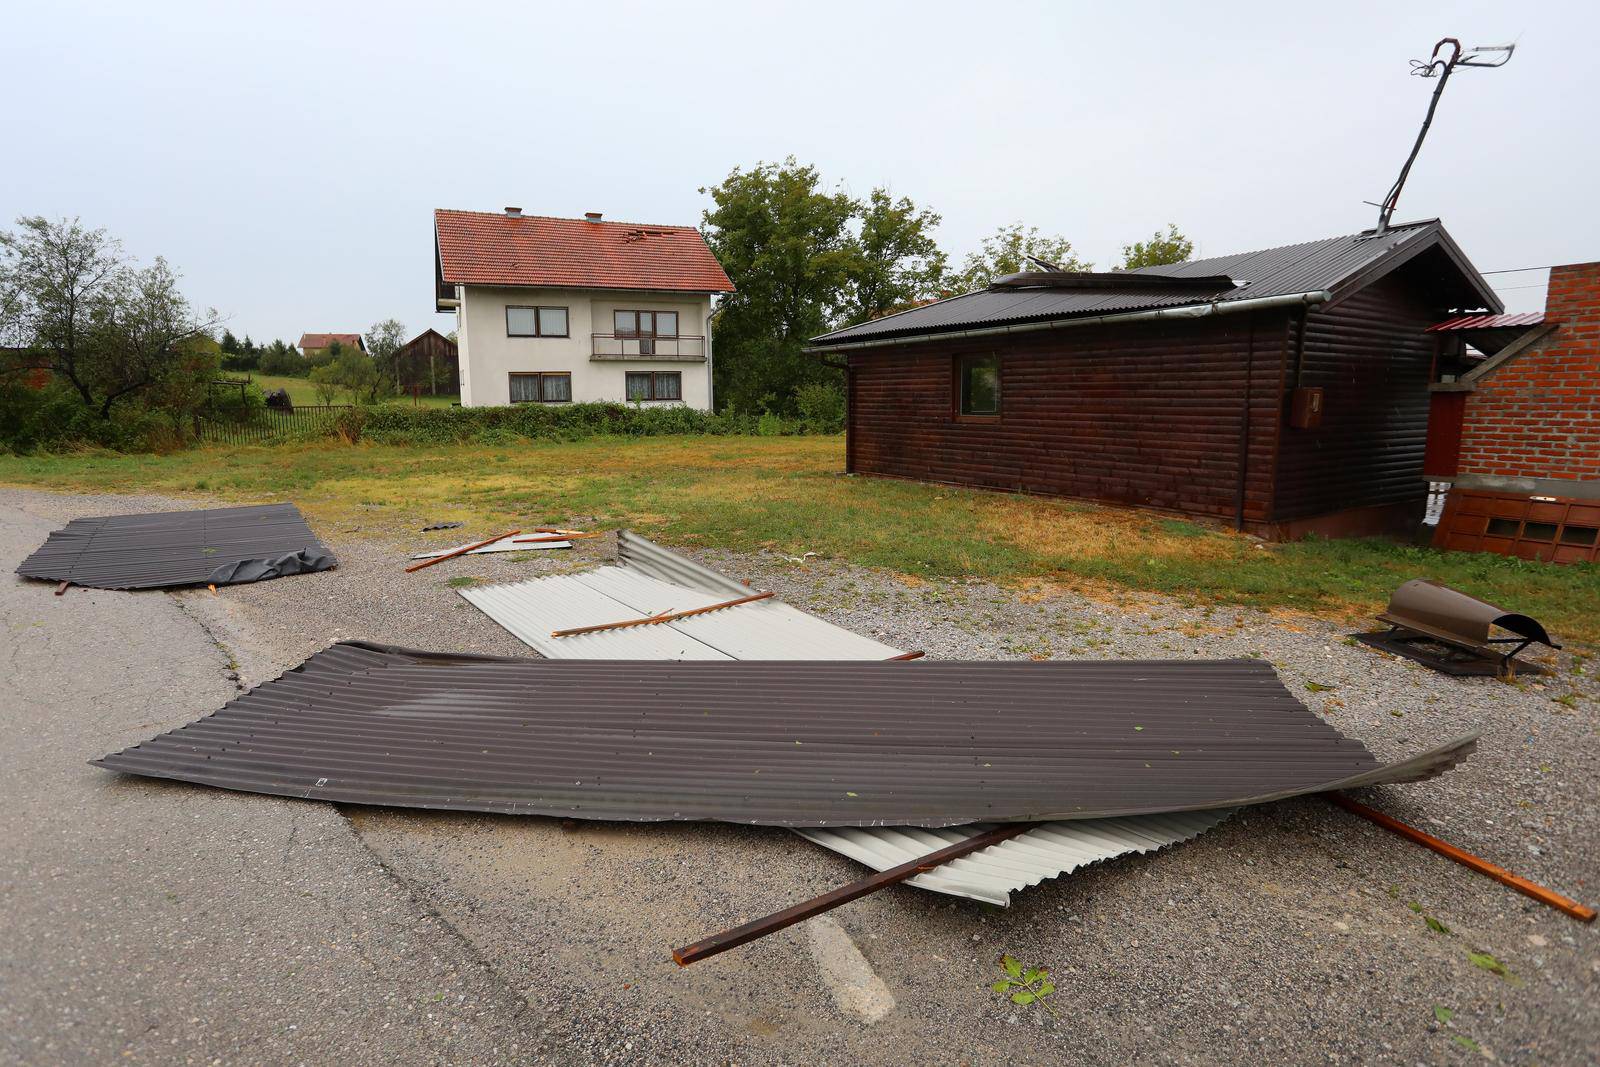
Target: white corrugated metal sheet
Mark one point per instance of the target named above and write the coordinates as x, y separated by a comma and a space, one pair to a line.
652, 580
1047, 851
505, 544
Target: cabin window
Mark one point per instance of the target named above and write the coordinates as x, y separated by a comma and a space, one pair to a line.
978, 386
541, 388
655, 385
536, 322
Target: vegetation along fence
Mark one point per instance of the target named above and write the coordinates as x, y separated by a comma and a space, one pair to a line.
274, 424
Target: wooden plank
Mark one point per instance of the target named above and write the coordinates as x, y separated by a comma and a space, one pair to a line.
463, 550
778, 920
1581, 912
651, 620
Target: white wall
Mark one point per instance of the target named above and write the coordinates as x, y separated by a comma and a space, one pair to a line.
488, 356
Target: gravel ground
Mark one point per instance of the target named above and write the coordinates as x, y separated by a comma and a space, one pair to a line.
1295, 932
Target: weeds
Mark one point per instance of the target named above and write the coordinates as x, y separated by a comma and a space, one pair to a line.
1025, 985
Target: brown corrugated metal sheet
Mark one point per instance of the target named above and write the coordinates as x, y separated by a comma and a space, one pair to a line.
790, 743
175, 548
1151, 414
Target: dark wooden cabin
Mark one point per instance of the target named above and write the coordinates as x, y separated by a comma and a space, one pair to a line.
1282, 391
428, 364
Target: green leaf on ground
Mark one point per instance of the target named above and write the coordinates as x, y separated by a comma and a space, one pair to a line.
1488, 963
1442, 1013
1465, 1042
1435, 925
1318, 687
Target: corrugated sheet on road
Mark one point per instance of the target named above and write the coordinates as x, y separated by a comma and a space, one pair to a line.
1049, 850
772, 743
173, 548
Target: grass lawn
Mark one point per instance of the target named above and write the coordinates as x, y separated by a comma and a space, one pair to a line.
786, 493
301, 391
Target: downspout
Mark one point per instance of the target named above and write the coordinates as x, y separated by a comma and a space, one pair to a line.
1244, 424
711, 311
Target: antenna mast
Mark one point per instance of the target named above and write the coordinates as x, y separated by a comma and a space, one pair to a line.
1438, 66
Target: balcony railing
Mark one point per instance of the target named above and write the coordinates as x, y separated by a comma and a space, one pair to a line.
683, 348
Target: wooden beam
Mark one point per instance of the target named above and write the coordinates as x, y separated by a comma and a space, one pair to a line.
918, 654
778, 920
651, 620
1581, 912
547, 538
463, 550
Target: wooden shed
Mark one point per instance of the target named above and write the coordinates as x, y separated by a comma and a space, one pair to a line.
1283, 391
428, 364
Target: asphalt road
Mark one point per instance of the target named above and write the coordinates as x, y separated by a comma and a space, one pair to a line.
150, 923
168, 923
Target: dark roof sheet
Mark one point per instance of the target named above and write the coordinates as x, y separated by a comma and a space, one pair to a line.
1312, 266
777, 743
175, 548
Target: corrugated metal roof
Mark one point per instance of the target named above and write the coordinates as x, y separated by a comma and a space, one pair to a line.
1312, 266
654, 579
505, 544
768, 629
772, 743
174, 548
1048, 850
1490, 322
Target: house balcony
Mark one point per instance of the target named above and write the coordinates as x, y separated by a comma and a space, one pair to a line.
681, 349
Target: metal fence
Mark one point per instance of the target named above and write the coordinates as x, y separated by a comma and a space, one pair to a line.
274, 424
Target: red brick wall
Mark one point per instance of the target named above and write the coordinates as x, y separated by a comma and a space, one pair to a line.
1538, 415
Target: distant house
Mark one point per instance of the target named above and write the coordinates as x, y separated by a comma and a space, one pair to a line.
1283, 391
314, 346
1518, 434
554, 310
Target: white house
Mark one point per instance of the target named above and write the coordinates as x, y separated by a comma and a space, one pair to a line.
552, 311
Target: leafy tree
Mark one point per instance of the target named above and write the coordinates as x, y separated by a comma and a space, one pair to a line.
383, 341
786, 242
898, 265
1169, 247
355, 371
282, 358
1006, 252
107, 328
326, 379
230, 344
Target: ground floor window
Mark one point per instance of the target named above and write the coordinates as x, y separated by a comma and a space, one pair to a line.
655, 385
545, 387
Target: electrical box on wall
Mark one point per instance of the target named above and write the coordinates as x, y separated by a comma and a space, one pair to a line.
1305, 407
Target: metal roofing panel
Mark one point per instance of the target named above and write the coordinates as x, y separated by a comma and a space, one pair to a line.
505, 544
1311, 266
772, 743
1048, 850
174, 548
1490, 322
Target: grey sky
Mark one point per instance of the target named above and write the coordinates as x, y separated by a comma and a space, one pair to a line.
287, 158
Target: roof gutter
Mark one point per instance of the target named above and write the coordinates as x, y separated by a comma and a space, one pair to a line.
1187, 311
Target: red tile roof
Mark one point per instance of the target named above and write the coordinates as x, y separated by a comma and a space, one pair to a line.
1490, 322
492, 248
323, 340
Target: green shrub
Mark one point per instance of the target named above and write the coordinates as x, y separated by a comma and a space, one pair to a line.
821, 407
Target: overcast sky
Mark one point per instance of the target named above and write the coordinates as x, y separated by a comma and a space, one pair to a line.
286, 159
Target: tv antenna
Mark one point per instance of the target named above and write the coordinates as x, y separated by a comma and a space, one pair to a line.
1447, 56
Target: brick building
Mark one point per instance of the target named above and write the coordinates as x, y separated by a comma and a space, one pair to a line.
1518, 434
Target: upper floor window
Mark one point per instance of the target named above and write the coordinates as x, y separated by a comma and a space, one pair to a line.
536, 322
978, 386
646, 327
